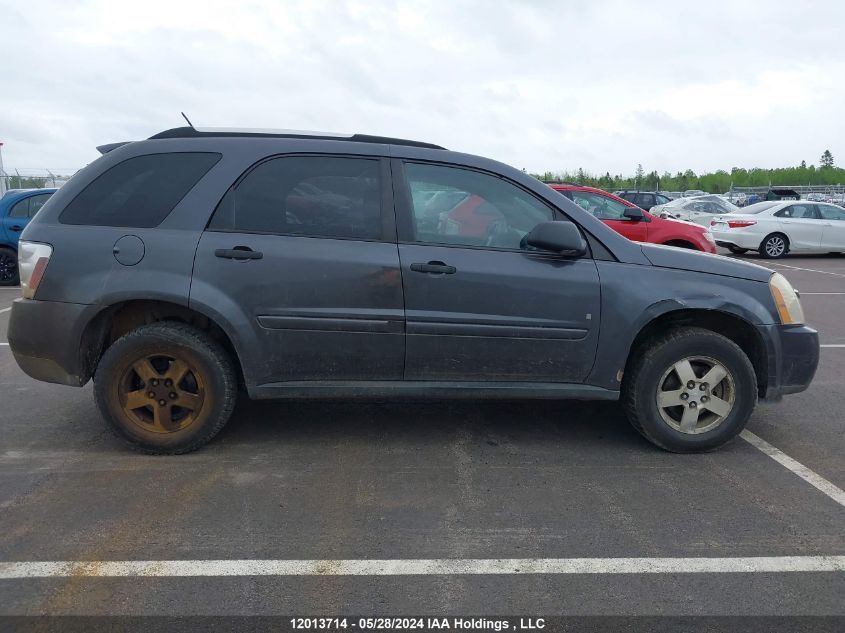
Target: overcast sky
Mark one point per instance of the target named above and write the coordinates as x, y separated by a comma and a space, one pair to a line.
540, 85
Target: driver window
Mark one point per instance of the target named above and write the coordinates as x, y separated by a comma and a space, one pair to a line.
461, 206
601, 207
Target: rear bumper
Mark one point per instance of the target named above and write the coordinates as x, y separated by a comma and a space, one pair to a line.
737, 238
793, 352
46, 340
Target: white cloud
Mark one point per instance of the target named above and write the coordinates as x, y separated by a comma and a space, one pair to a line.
541, 85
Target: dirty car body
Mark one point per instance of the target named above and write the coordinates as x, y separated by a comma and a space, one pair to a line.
390, 299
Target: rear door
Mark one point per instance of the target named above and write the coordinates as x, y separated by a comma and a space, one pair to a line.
479, 306
611, 212
304, 249
833, 233
802, 225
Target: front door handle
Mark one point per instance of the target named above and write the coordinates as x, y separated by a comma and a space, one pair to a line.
437, 268
16, 228
239, 252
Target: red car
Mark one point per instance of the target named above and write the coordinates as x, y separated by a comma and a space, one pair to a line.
641, 226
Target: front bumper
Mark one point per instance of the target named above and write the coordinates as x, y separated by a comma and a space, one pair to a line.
46, 339
793, 352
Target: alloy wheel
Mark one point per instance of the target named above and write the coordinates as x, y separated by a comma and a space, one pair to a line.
696, 395
775, 246
162, 393
8, 267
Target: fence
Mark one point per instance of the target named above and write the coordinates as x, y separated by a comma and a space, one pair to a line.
34, 178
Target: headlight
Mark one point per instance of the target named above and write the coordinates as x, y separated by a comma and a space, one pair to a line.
786, 300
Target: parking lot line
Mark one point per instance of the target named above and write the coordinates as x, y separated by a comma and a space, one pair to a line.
416, 567
5, 310
833, 345
812, 270
814, 479
822, 293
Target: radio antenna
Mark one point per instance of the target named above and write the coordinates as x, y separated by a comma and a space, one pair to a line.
185, 116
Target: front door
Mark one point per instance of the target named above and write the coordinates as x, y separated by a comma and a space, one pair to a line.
301, 256
479, 306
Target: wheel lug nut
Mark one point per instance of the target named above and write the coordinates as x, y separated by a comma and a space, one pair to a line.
702, 387
168, 382
692, 405
173, 395
684, 396
154, 382
151, 394
162, 402
704, 398
690, 384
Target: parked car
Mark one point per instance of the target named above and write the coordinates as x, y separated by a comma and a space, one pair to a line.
690, 193
17, 207
314, 267
628, 219
644, 199
775, 229
699, 210
780, 193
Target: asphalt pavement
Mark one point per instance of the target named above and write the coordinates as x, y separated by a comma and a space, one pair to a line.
423, 481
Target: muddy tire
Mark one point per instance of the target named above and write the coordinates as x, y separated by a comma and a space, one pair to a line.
165, 388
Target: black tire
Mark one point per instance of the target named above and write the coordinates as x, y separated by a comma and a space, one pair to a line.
643, 380
768, 250
209, 380
9, 275
736, 250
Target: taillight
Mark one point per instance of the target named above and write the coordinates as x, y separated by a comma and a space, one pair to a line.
739, 224
33, 258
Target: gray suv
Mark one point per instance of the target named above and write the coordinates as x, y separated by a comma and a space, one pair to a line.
181, 269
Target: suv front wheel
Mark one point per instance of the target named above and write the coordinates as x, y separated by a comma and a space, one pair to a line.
690, 390
165, 388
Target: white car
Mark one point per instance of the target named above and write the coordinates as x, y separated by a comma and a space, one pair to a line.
777, 228
700, 209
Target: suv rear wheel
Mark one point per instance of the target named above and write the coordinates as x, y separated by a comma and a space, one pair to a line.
8, 267
165, 388
690, 390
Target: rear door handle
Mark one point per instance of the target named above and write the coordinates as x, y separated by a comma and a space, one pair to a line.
437, 268
239, 252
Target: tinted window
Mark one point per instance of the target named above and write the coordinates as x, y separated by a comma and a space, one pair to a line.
319, 196
829, 212
645, 200
460, 206
36, 202
662, 199
631, 197
600, 206
139, 192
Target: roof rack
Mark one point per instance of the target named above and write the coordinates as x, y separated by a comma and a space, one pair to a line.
190, 132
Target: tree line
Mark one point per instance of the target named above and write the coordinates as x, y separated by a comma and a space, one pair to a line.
718, 181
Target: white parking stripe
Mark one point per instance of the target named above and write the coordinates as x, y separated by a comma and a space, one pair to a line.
426, 567
814, 479
6, 344
812, 270
4, 310
833, 345
822, 293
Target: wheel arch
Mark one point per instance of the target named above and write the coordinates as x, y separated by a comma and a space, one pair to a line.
117, 319
734, 327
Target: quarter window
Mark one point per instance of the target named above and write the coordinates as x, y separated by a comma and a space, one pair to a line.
319, 196
460, 206
139, 192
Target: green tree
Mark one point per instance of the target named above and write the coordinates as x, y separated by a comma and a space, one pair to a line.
826, 160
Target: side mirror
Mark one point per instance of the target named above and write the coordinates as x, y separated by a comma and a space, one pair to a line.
559, 237
633, 213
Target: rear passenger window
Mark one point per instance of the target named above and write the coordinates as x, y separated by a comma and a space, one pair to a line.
139, 192
318, 196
